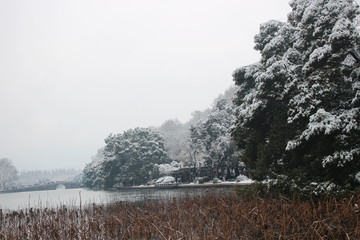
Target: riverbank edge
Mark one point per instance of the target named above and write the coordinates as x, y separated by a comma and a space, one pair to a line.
187, 186
178, 186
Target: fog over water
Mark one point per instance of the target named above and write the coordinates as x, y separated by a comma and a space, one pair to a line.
72, 72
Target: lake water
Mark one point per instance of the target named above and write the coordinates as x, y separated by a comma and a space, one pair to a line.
83, 197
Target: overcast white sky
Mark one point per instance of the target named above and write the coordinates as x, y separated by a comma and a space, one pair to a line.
74, 71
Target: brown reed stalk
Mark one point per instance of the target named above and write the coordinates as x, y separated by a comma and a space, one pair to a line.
210, 216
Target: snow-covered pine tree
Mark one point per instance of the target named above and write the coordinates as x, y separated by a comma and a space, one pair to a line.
93, 176
299, 118
129, 159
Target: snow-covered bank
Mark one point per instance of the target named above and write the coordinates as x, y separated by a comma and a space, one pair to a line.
194, 185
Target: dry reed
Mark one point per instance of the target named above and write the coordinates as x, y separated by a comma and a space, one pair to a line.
217, 216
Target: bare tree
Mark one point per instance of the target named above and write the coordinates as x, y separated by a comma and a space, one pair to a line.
8, 173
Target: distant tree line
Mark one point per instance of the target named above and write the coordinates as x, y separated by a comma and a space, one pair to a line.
44, 176
11, 178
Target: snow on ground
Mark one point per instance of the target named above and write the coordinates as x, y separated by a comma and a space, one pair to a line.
239, 179
166, 179
243, 179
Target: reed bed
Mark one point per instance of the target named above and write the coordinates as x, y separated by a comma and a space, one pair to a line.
209, 216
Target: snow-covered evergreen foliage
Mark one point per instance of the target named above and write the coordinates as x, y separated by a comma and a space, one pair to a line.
211, 143
298, 108
129, 159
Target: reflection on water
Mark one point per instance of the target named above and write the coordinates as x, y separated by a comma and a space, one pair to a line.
80, 196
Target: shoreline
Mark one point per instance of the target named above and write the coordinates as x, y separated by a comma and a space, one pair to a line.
187, 186
165, 187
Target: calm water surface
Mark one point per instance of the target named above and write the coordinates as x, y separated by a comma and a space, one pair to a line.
83, 197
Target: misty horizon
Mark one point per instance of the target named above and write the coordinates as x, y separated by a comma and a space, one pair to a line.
75, 72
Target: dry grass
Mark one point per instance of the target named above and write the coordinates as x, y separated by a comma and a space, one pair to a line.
220, 216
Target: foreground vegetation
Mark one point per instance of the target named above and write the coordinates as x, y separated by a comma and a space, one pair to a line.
209, 216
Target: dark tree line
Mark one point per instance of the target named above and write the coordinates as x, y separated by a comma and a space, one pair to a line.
298, 118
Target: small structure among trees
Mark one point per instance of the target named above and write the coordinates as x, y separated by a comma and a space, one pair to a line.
186, 175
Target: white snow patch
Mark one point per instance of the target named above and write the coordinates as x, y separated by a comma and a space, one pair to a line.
357, 176
166, 179
341, 157
243, 179
168, 168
